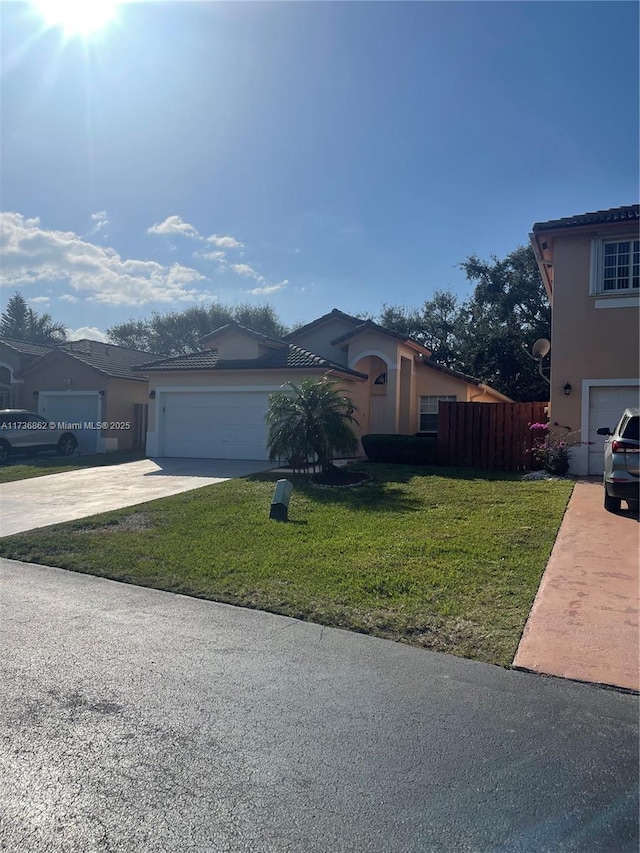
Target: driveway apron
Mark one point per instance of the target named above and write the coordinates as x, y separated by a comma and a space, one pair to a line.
584, 620
40, 501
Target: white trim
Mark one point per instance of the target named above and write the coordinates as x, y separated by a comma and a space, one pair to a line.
611, 301
369, 352
162, 389
596, 265
580, 453
8, 367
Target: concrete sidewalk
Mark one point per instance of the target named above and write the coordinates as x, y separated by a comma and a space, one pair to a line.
584, 620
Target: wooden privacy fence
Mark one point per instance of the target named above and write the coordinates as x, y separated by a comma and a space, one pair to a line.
140, 419
493, 436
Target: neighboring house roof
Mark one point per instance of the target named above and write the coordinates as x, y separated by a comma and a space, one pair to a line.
233, 326
25, 347
289, 356
464, 377
627, 213
108, 359
359, 326
356, 321
369, 325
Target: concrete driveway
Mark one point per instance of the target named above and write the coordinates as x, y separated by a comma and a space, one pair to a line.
584, 623
137, 720
40, 501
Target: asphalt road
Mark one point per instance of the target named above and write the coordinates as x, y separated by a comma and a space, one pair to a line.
134, 720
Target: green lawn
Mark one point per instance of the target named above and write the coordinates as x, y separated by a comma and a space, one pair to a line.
23, 468
445, 559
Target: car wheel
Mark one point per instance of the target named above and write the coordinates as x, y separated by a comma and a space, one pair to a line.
5, 450
67, 445
611, 504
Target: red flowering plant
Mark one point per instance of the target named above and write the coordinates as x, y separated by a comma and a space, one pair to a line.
550, 451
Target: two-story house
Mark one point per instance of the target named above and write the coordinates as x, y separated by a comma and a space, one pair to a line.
590, 266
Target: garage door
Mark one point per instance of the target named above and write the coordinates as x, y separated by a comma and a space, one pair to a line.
74, 409
606, 404
214, 424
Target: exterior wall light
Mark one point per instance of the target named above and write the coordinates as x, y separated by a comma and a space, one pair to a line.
567, 389
152, 394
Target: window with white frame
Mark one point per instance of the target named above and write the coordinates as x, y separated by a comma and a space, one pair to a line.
615, 266
429, 411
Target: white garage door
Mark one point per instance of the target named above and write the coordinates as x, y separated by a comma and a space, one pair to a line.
606, 404
214, 424
76, 409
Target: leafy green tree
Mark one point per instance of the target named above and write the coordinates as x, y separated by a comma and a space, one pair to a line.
489, 334
312, 423
179, 332
22, 323
508, 311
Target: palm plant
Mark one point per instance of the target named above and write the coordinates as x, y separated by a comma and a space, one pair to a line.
311, 424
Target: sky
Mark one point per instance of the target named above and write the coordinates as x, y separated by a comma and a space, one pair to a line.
308, 155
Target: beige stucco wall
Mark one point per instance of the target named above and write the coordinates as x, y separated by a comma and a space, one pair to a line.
587, 342
234, 344
51, 375
119, 401
318, 340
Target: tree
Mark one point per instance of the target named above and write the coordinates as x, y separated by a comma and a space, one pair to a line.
179, 332
508, 311
313, 423
22, 323
489, 334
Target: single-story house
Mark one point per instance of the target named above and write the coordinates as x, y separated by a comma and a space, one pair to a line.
91, 385
212, 403
590, 267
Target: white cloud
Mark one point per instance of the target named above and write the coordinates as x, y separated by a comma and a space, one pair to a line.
67, 297
224, 242
39, 299
219, 258
91, 332
247, 271
31, 254
270, 288
100, 220
174, 225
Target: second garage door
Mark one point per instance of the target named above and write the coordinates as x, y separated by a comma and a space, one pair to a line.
214, 424
606, 404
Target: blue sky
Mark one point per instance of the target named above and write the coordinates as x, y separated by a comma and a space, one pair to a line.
309, 155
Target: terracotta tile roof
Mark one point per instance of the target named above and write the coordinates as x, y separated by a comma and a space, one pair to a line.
464, 377
286, 358
628, 213
366, 325
356, 321
107, 358
25, 347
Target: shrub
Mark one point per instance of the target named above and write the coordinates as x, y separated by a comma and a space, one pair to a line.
400, 449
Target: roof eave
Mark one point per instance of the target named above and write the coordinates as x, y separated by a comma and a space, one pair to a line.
546, 269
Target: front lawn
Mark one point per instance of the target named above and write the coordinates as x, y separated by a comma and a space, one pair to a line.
441, 558
23, 468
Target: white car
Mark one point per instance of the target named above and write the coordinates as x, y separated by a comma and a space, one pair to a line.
25, 432
622, 462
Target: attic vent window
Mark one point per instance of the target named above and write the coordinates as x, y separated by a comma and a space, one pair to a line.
381, 379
